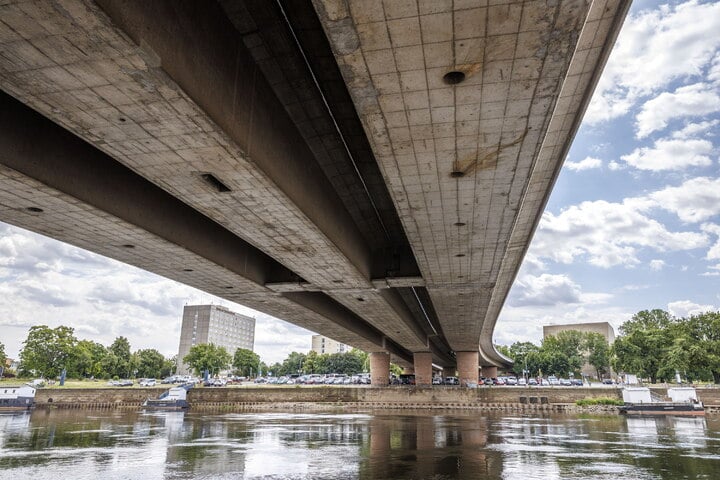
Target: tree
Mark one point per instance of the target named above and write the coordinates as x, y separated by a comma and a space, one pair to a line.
246, 362
46, 350
644, 345
149, 363
311, 363
292, 364
2, 355
566, 349
207, 356
598, 352
169, 366
518, 353
86, 360
120, 349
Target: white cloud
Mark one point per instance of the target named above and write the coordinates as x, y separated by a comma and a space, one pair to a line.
671, 154
714, 252
687, 101
714, 271
657, 265
586, 164
608, 234
43, 281
696, 129
544, 290
695, 200
524, 324
686, 308
614, 166
654, 48
714, 71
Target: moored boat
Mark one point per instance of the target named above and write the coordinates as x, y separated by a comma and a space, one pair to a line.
18, 397
641, 401
172, 399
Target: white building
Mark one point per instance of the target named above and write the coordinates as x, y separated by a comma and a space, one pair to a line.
217, 325
321, 344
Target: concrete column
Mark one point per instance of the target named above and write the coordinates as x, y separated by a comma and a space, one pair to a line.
467, 365
489, 371
423, 368
379, 369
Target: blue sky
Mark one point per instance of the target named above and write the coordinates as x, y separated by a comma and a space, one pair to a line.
633, 221
635, 214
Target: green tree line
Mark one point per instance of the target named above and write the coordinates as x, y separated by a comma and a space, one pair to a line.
47, 351
653, 345
247, 363
560, 354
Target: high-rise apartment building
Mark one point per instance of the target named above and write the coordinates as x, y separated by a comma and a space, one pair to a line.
321, 344
217, 325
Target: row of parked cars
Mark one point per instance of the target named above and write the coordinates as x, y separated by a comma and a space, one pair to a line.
317, 379
509, 380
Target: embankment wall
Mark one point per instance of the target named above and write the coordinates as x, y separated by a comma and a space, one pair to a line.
368, 396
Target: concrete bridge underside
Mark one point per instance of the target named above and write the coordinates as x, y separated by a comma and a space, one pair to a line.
370, 170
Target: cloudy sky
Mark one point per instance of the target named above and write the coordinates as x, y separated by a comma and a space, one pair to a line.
636, 211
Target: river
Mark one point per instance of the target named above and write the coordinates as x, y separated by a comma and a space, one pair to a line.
90, 444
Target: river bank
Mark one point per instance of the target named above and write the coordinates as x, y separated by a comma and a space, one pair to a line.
354, 398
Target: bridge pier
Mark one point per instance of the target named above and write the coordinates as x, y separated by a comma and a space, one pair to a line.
489, 371
423, 368
467, 366
379, 369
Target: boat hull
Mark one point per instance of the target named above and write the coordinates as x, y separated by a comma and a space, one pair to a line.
16, 404
663, 409
166, 405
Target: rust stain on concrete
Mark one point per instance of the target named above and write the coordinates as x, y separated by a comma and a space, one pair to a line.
487, 159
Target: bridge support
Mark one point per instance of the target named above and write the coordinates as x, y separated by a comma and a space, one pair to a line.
489, 371
379, 369
423, 368
467, 365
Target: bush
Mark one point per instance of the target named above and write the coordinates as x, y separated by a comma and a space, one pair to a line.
598, 401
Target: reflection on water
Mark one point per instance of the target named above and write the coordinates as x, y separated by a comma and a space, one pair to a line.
48, 444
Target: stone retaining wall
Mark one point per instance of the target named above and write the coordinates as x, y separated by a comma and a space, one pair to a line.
390, 397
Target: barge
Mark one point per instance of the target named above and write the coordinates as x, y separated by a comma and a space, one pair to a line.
641, 401
17, 398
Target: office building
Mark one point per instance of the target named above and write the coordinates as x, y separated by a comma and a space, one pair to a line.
321, 344
217, 325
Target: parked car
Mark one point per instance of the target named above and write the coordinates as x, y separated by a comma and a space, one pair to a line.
148, 382
608, 381
511, 381
553, 380
125, 383
565, 382
452, 381
437, 381
576, 382
532, 382
406, 379
521, 382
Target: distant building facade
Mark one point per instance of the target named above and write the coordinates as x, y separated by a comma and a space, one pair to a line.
217, 325
321, 344
603, 328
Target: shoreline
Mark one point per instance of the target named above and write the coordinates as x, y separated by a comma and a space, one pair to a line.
297, 398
